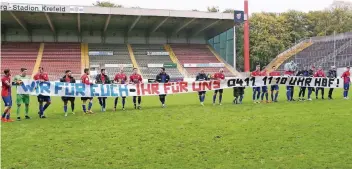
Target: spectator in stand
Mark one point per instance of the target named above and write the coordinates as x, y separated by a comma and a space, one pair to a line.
319, 73
275, 87
332, 74
346, 82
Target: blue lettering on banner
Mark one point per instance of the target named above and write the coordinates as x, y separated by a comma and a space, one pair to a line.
103, 92
92, 90
123, 89
112, 89
45, 87
68, 87
80, 89
58, 87
30, 87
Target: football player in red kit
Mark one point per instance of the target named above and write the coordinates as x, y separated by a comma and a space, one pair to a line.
218, 76
120, 78
86, 80
256, 90
275, 87
346, 82
319, 73
42, 77
136, 78
6, 95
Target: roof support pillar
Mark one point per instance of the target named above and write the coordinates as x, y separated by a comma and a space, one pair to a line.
50, 23
134, 23
107, 23
205, 27
19, 21
184, 25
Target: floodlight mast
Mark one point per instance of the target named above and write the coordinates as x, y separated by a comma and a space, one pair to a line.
246, 37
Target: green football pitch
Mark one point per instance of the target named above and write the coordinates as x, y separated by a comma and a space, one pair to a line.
316, 134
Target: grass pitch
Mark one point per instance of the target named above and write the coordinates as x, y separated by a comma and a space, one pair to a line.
313, 134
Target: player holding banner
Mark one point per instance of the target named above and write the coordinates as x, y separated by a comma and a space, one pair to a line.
162, 77
201, 77
136, 78
264, 88
274, 88
102, 78
68, 79
218, 76
346, 82
86, 80
256, 90
120, 78
6, 95
42, 77
310, 89
319, 73
22, 98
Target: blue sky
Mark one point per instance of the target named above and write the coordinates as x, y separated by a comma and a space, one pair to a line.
254, 5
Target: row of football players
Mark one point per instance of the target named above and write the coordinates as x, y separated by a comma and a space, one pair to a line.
102, 78
304, 72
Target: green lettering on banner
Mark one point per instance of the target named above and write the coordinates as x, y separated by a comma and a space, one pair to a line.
170, 65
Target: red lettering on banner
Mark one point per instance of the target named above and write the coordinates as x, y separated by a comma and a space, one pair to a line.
196, 86
206, 85
175, 87
167, 87
138, 90
216, 84
145, 90
155, 88
183, 86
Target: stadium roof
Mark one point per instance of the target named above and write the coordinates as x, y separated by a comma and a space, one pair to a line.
91, 18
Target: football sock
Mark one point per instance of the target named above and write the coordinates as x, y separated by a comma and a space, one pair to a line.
18, 110
84, 108
65, 108
220, 98
115, 103
90, 104
26, 109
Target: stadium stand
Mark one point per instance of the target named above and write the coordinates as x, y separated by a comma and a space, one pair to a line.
143, 59
58, 57
15, 55
197, 53
119, 57
323, 51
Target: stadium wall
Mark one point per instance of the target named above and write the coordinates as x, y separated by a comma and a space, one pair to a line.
114, 37
223, 44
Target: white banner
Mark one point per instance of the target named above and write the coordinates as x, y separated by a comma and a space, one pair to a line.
149, 89
204, 65
155, 65
158, 53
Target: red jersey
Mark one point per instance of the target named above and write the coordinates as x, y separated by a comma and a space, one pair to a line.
263, 73
256, 73
5, 87
136, 78
346, 77
85, 79
319, 73
219, 76
67, 79
120, 78
274, 73
289, 73
41, 76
